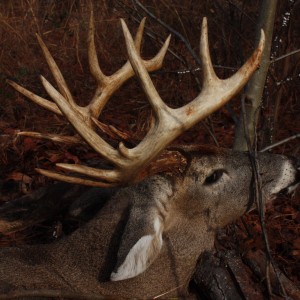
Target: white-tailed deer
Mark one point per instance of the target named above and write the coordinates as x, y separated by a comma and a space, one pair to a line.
147, 239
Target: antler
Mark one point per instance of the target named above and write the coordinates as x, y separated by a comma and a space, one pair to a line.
168, 123
106, 85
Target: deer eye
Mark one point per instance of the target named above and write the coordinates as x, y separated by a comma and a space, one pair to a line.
214, 177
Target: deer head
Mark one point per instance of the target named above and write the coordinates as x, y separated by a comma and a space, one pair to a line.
214, 191
146, 241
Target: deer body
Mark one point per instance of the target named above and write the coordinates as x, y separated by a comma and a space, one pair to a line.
180, 214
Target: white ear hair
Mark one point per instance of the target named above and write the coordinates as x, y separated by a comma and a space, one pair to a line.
142, 237
141, 255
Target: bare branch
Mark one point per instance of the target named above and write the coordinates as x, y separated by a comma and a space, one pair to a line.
281, 142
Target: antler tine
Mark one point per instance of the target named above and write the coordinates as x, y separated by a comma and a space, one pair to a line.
208, 71
92, 54
107, 85
71, 140
60, 81
110, 83
156, 102
62, 85
35, 98
245, 72
97, 143
111, 176
216, 92
71, 179
139, 35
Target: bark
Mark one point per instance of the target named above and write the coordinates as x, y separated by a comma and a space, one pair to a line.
255, 87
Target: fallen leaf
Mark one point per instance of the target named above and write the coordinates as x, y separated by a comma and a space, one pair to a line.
18, 176
296, 243
29, 144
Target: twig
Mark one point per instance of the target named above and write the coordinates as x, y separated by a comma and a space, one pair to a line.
153, 36
256, 182
259, 202
167, 292
197, 69
11, 28
34, 17
281, 142
284, 56
242, 11
168, 27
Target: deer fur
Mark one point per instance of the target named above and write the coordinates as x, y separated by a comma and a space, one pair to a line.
146, 241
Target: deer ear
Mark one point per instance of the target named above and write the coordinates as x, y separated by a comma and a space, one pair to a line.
140, 245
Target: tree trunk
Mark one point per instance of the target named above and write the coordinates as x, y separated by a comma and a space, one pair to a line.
255, 87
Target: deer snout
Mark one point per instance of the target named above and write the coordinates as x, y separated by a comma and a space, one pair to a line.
293, 180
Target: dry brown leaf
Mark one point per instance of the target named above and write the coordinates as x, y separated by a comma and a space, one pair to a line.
18, 176
29, 144
296, 243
